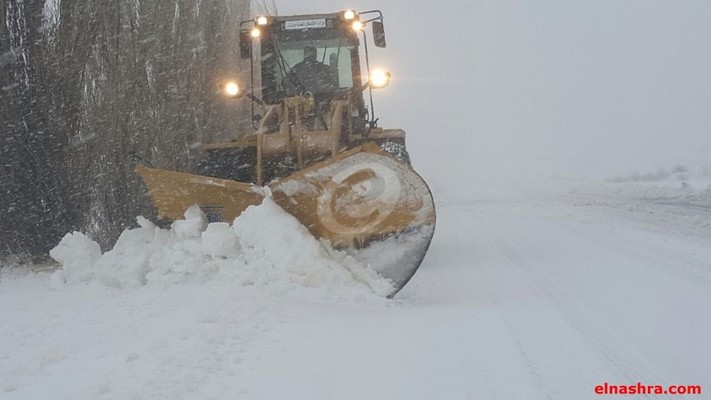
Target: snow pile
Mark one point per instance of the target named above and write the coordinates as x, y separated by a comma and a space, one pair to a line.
678, 186
265, 247
75, 262
682, 193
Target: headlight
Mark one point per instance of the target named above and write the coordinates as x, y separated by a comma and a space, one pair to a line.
349, 15
231, 89
261, 21
379, 78
358, 25
256, 33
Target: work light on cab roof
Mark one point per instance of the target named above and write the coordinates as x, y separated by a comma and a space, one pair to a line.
315, 144
349, 15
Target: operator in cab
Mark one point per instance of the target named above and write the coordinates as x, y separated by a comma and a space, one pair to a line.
310, 75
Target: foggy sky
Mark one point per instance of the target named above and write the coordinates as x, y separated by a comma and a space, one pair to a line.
500, 89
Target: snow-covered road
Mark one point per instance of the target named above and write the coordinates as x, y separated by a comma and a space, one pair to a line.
522, 296
574, 296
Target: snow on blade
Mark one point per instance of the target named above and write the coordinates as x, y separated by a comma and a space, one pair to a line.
308, 262
265, 247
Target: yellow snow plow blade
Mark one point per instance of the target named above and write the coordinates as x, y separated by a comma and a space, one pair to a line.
220, 199
363, 201
358, 196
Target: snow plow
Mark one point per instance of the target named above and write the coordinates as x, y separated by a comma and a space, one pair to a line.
316, 148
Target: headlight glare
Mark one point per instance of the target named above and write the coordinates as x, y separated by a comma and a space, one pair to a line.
231, 89
380, 78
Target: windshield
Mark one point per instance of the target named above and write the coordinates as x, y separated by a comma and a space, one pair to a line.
316, 61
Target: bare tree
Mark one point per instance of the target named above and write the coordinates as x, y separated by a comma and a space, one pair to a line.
102, 87
33, 199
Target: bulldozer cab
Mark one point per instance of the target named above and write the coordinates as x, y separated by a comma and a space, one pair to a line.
323, 63
306, 87
312, 56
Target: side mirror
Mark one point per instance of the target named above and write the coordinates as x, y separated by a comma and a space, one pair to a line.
245, 43
379, 34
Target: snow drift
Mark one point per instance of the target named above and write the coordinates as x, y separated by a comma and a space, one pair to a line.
265, 247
